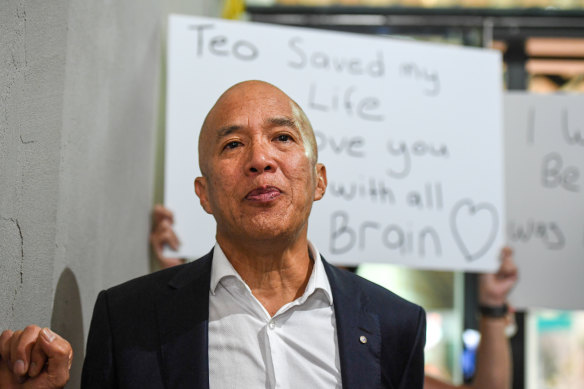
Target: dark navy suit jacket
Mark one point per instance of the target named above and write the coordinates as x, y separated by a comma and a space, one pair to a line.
151, 332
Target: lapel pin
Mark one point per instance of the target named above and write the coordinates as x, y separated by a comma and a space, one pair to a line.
363, 339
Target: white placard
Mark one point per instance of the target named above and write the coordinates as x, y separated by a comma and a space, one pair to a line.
410, 133
544, 144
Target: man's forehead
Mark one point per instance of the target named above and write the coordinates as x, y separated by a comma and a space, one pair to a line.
253, 89
238, 106
261, 105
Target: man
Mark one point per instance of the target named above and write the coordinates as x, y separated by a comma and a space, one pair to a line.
262, 309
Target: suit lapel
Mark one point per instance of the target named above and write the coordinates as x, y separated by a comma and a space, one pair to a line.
358, 332
183, 318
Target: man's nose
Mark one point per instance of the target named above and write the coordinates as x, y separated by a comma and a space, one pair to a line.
260, 159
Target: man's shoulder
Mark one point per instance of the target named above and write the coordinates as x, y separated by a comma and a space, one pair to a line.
162, 280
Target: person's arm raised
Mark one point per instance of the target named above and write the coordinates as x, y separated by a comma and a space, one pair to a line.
493, 369
494, 360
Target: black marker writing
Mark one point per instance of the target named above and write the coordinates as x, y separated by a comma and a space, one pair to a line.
531, 125
346, 100
572, 138
469, 209
404, 152
394, 237
371, 189
549, 233
219, 45
418, 73
324, 61
429, 198
555, 175
351, 146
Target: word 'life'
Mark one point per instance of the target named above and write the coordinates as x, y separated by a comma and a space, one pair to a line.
346, 100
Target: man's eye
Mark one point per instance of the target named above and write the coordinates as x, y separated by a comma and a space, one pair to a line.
284, 138
232, 145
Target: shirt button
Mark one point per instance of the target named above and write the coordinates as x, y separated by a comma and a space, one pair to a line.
272, 324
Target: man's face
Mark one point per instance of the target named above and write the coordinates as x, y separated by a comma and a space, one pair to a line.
258, 160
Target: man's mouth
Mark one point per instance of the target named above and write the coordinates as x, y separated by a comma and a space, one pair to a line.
264, 193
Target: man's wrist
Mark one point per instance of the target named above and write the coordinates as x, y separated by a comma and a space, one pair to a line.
493, 311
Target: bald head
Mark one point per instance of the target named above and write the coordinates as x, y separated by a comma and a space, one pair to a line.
249, 98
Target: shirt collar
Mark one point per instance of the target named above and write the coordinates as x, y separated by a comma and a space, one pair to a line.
222, 268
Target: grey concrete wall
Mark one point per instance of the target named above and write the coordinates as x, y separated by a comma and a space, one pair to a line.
32, 76
78, 111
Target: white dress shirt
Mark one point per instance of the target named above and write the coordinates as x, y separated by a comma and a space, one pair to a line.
296, 348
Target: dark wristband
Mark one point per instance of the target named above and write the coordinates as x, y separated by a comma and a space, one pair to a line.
497, 311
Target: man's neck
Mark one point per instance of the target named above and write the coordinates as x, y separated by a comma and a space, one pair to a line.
276, 273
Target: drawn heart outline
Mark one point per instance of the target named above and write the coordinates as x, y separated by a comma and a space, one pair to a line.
473, 209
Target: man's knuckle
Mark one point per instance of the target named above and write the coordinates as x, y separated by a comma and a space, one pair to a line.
15, 339
62, 349
6, 335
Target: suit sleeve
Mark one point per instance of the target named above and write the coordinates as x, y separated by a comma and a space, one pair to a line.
98, 368
413, 376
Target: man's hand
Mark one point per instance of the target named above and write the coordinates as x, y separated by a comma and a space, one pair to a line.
34, 358
163, 234
494, 288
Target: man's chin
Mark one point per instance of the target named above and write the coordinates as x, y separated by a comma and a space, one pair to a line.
269, 228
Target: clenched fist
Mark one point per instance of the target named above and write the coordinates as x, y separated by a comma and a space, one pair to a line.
34, 358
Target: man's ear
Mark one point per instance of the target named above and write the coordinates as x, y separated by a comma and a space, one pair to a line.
202, 193
321, 181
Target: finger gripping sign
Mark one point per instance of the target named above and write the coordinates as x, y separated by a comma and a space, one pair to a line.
410, 133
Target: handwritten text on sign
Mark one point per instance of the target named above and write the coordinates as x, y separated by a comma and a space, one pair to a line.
414, 158
545, 198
